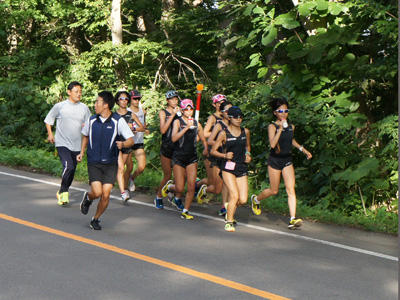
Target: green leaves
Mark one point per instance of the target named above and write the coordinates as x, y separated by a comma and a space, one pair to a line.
269, 37
363, 169
287, 21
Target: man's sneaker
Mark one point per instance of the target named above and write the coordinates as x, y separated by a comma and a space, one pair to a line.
202, 193
229, 227
59, 199
65, 198
177, 203
255, 207
222, 212
158, 203
85, 203
164, 190
186, 215
132, 185
125, 196
94, 224
294, 223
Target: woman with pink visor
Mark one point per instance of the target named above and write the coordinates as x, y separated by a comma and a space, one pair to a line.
185, 133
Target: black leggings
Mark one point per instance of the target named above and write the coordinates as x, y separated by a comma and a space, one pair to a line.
68, 160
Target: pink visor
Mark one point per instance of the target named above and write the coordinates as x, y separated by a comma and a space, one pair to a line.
186, 102
218, 98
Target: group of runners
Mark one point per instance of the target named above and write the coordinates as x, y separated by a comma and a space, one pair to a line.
110, 139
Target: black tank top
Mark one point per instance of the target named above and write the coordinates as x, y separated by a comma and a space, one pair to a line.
224, 127
237, 145
166, 137
128, 118
285, 142
186, 145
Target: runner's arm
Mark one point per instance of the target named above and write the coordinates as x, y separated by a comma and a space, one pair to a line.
211, 139
207, 128
85, 141
176, 134
141, 127
200, 134
164, 124
248, 146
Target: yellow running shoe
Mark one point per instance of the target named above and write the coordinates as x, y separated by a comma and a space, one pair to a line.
65, 198
164, 190
59, 199
293, 224
186, 215
229, 227
255, 207
201, 194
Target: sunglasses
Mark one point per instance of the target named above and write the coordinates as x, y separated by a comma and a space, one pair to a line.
123, 98
281, 111
188, 108
236, 117
136, 98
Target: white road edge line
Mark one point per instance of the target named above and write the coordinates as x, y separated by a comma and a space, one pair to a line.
333, 244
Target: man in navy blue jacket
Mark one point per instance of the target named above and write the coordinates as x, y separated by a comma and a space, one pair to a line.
101, 136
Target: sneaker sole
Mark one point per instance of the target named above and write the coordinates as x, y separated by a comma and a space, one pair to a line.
93, 227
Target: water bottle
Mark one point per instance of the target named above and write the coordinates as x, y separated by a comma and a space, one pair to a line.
284, 124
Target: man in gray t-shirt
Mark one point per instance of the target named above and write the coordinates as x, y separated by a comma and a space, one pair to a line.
71, 115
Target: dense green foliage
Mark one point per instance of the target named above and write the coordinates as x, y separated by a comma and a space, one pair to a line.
336, 62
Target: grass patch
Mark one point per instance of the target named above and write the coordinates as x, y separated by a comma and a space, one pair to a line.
48, 162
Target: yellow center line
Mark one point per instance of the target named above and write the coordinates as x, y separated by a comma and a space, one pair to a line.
152, 260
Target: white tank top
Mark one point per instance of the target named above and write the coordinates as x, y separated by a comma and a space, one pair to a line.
139, 136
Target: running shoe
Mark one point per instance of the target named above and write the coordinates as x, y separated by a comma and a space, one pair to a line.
164, 190
170, 196
201, 194
65, 198
229, 227
132, 186
222, 212
234, 222
186, 215
295, 223
85, 203
177, 203
255, 207
158, 203
94, 224
125, 196
59, 199
196, 187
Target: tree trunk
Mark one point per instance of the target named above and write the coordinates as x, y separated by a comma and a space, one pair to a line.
116, 24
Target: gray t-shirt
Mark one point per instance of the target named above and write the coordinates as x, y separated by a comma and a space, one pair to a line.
70, 119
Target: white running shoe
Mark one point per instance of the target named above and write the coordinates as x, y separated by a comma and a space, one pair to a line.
132, 185
125, 196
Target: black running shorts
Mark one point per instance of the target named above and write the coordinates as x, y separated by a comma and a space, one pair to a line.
167, 150
184, 161
279, 163
103, 173
239, 171
138, 146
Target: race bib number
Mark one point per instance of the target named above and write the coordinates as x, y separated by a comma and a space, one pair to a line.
230, 165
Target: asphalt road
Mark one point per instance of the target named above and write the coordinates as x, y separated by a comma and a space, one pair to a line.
49, 252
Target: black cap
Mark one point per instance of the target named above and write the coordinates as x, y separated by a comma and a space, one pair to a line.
135, 94
234, 112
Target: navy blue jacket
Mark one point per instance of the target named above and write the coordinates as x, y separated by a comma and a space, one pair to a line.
102, 147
